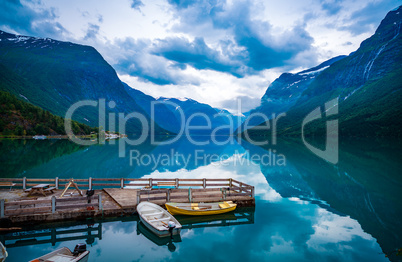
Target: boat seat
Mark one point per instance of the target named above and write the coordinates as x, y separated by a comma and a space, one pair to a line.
60, 258
153, 214
224, 205
162, 219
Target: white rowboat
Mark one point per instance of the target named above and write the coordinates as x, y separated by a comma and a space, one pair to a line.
158, 220
64, 254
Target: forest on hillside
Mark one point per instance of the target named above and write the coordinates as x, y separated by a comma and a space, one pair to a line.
20, 118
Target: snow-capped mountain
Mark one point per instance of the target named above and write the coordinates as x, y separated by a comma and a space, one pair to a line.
367, 85
54, 75
171, 113
283, 93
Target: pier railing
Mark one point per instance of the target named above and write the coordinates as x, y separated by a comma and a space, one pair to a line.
52, 235
195, 190
27, 207
99, 183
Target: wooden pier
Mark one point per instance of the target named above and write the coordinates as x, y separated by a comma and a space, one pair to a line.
113, 197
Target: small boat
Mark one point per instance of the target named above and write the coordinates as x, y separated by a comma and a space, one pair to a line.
3, 253
158, 220
64, 254
200, 209
39, 137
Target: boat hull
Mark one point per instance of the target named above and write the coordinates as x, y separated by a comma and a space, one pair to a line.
159, 233
151, 216
174, 210
160, 241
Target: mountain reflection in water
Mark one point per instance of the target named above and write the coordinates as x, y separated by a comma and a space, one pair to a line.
306, 208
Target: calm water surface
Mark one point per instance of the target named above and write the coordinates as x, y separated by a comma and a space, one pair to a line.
306, 208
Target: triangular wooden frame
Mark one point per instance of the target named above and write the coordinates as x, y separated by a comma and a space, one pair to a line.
71, 183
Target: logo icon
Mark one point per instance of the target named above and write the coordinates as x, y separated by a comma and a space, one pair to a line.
331, 151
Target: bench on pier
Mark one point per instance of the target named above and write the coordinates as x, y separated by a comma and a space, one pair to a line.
50, 189
166, 185
7, 184
40, 189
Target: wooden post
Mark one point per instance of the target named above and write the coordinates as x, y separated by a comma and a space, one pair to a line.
100, 231
150, 182
252, 192
56, 183
189, 195
230, 182
168, 195
53, 204
100, 207
53, 236
240, 186
2, 208
177, 183
204, 183
90, 183
122, 183
138, 197
24, 183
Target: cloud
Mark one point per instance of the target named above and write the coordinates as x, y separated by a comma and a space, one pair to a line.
255, 44
247, 103
136, 59
137, 4
364, 19
331, 7
197, 54
92, 31
182, 3
27, 18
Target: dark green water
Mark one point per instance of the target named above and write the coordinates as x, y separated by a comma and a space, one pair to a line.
306, 208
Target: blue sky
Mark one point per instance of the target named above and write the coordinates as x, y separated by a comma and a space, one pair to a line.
212, 51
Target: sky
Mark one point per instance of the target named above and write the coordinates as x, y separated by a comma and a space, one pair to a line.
212, 51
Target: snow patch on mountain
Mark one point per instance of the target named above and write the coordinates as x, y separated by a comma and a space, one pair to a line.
315, 72
24, 97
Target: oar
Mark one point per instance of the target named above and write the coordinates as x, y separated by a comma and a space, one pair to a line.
162, 222
203, 208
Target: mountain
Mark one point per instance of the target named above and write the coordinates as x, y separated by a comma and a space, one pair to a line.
367, 84
283, 93
22, 118
169, 113
54, 75
199, 114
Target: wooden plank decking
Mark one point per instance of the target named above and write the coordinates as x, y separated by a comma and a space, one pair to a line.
125, 198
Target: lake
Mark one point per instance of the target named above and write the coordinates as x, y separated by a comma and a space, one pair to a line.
307, 209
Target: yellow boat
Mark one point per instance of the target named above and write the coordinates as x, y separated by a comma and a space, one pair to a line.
200, 209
